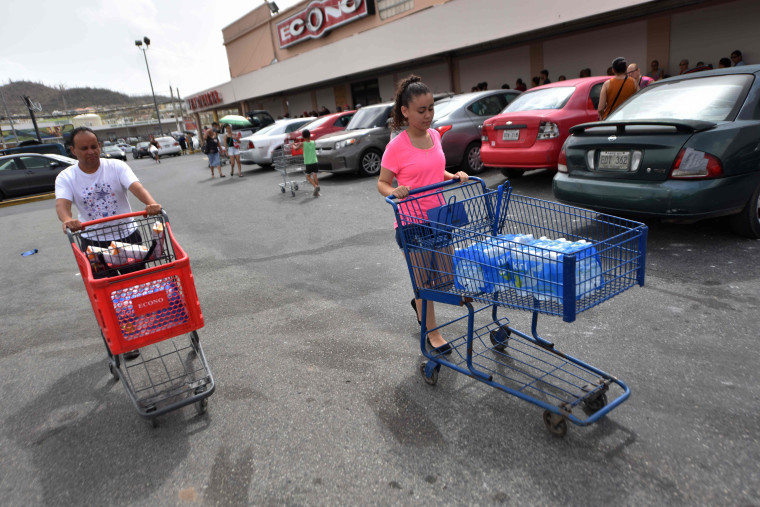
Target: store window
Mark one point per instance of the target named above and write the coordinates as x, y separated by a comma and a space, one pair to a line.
365, 92
390, 8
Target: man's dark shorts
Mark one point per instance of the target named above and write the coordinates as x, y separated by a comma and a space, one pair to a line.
311, 168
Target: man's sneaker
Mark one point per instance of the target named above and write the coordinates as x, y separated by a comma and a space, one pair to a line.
132, 354
316, 192
317, 189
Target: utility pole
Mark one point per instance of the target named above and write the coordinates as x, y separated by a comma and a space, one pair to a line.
10, 120
182, 114
176, 118
30, 107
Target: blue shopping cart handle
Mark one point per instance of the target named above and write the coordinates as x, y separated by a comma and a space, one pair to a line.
434, 186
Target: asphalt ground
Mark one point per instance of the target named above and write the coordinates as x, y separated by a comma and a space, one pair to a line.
315, 353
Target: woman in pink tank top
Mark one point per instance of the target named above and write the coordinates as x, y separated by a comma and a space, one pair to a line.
415, 159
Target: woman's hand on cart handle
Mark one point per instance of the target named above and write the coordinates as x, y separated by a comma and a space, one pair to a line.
400, 192
153, 209
461, 176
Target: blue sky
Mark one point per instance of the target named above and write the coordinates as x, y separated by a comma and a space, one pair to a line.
91, 43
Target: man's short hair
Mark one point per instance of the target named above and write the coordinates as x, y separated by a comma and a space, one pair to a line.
306, 134
619, 65
545, 72
79, 130
736, 53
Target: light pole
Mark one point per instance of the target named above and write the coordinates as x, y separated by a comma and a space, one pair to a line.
139, 44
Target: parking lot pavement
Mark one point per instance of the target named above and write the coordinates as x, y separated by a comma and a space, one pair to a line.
315, 353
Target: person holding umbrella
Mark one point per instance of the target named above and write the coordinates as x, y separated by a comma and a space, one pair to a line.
232, 145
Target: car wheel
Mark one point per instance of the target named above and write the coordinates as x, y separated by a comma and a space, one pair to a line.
512, 174
369, 163
471, 163
747, 222
134, 155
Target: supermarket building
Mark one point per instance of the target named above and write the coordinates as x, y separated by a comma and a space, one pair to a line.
338, 53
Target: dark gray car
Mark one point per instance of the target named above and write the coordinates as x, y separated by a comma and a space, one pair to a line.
459, 120
30, 173
360, 147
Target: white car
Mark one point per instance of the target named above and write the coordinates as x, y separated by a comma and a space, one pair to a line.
258, 148
168, 146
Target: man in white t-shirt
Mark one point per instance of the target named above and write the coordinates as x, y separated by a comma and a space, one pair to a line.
98, 187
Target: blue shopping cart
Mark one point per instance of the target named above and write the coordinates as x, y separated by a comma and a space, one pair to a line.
471, 246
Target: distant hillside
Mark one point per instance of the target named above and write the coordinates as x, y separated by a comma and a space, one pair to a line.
67, 99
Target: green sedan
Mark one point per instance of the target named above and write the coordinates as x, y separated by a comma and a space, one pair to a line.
682, 149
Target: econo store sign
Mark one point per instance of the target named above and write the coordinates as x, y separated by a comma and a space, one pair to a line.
318, 18
204, 100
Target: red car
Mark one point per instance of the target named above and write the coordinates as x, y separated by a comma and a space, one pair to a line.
530, 132
326, 124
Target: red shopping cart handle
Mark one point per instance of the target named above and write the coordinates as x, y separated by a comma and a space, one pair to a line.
119, 217
435, 186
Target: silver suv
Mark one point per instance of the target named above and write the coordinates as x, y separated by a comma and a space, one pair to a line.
360, 147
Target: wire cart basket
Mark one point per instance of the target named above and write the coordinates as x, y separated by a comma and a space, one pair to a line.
143, 295
288, 165
468, 245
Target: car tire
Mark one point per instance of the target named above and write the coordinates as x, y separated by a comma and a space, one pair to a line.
471, 163
369, 163
512, 174
747, 222
134, 155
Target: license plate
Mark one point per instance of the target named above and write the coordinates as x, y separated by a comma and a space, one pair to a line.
614, 160
510, 135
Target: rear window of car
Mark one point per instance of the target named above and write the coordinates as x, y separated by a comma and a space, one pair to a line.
369, 117
547, 98
711, 98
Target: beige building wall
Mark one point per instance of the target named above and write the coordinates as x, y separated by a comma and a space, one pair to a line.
495, 68
711, 33
595, 49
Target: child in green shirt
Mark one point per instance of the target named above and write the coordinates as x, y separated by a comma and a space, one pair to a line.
309, 160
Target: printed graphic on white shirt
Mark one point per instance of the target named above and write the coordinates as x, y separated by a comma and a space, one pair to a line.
99, 201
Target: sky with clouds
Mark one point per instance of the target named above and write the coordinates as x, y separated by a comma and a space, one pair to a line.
91, 43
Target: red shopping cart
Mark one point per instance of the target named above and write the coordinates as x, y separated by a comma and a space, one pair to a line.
143, 295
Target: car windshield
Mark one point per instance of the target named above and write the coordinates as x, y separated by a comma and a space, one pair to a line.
710, 98
265, 129
317, 123
368, 118
446, 106
547, 98
144, 144
111, 148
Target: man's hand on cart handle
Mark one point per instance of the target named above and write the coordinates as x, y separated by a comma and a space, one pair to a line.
400, 192
153, 209
73, 224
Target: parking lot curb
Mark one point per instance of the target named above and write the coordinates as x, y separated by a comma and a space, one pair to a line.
23, 200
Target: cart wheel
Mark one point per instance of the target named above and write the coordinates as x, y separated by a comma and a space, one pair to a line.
500, 338
295, 186
154, 422
202, 406
556, 424
433, 378
597, 403
112, 369
282, 189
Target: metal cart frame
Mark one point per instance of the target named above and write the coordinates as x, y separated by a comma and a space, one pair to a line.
435, 239
144, 298
288, 165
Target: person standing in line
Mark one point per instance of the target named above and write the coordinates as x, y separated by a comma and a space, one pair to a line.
543, 77
736, 57
98, 187
415, 159
520, 85
617, 89
232, 145
635, 73
655, 72
310, 162
683, 66
182, 144
212, 150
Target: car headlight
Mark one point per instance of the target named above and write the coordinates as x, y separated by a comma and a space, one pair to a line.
344, 143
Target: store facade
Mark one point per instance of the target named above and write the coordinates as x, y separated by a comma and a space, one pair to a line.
338, 53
